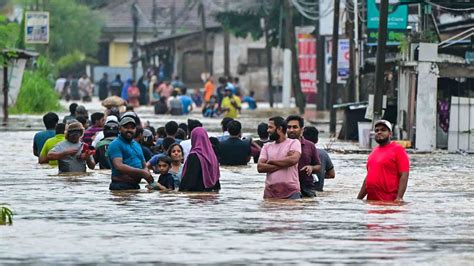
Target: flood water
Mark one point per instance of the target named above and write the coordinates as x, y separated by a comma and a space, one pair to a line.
76, 219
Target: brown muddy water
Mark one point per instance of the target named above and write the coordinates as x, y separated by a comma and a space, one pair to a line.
76, 219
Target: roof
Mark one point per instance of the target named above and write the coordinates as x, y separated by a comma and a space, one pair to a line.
118, 15
18, 53
169, 38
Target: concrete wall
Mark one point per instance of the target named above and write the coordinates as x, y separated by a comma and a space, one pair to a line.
119, 55
426, 104
251, 78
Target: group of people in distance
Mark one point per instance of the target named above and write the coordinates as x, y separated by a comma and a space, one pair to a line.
186, 158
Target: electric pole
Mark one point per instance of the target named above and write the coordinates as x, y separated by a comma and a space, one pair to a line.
380, 63
333, 90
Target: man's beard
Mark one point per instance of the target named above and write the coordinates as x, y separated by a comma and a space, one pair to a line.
292, 136
274, 136
383, 141
127, 136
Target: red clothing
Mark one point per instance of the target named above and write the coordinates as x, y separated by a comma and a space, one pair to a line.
384, 166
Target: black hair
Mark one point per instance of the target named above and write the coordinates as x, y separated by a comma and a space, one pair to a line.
252, 93
234, 127
72, 108
82, 119
96, 117
225, 121
115, 112
171, 128
167, 142
183, 126
192, 124
152, 129
279, 122
311, 133
262, 130
129, 108
222, 80
117, 76
138, 131
296, 117
160, 132
50, 120
184, 91
111, 129
166, 159
236, 79
60, 127
181, 134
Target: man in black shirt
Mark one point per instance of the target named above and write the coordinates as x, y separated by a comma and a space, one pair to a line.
234, 151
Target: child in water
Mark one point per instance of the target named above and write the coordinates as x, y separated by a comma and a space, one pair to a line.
211, 108
166, 180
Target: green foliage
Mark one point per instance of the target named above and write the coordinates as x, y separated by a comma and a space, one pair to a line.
6, 216
72, 27
37, 94
247, 21
8, 35
73, 63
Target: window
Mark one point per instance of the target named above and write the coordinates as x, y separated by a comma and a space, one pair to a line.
257, 57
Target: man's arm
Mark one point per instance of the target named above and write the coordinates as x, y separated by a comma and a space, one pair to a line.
363, 191
57, 155
131, 171
291, 159
402, 187
264, 167
330, 174
90, 162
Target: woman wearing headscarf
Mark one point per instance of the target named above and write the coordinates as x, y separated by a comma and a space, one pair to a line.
201, 170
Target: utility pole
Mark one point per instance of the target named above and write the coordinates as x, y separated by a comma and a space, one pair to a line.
268, 50
356, 51
226, 47
380, 63
333, 91
173, 18
134, 42
290, 44
202, 12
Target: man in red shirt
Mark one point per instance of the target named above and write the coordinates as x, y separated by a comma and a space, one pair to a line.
387, 168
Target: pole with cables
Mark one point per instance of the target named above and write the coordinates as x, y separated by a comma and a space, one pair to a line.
356, 51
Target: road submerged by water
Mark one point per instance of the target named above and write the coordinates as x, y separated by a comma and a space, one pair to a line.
76, 219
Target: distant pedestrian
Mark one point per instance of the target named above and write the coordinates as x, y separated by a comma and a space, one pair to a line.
104, 87
308, 163
388, 167
201, 170
234, 150
208, 89
124, 93
327, 168
250, 100
262, 131
133, 94
98, 121
231, 104
50, 143
186, 101
116, 86
50, 121
72, 113
101, 156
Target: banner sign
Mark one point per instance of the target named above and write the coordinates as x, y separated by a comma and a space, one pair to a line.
397, 15
307, 62
37, 27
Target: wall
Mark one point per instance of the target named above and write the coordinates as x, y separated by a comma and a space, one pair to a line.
253, 78
119, 55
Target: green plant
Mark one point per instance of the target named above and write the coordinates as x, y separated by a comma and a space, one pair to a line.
8, 35
36, 93
6, 216
73, 63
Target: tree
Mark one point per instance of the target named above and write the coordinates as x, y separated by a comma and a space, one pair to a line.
73, 27
8, 36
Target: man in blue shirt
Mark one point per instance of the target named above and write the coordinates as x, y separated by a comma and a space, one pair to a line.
50, 121
186, 101
127, 160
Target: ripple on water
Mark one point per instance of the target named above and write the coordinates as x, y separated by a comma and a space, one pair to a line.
76, 219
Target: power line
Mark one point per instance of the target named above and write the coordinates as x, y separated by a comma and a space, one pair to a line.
450, 8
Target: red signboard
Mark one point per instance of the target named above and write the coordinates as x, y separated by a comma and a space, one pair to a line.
307, 63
